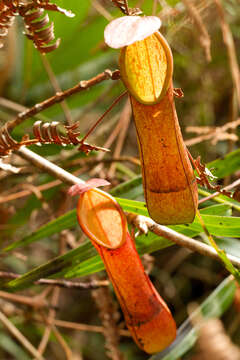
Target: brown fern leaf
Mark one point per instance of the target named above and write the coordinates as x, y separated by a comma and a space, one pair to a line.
122, 5
39, 29
7, 143
37, 24
46, 133
8, 11
205, 177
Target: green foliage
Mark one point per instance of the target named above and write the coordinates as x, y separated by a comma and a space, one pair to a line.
208, 92
214, 306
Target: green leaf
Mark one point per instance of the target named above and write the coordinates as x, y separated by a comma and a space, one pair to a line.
130, 189
144, 244
219, 209
217, 225
231, 246
81, 261
63, 222
226, 166
214, 306
136, 207
70, 51
54, 266
221, 199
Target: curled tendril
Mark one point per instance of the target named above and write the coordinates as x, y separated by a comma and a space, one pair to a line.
38, 27
40, 30
46, 133
7, 15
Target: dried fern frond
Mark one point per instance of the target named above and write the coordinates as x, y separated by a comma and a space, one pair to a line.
46, 133
123, 6
7, 143
7, 15
205, 178
37, 24
40, 30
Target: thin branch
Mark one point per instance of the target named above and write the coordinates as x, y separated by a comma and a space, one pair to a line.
63, 343
56, 87
85, 327
125, 119
231, 50
62, 95
36, 301
94, 284
50, 316
179, 239
214, 134
160, 230
21, 194
19, 336
102, 10
104, 114
109, 315
204, 37
74, 284
229, 187
110, 140
126, 10
89, 162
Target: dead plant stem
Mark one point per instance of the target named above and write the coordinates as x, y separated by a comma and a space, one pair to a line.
160, 230
60, 96
19, 336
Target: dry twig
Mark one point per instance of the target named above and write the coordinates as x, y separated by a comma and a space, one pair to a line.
125, 119
94, 284
109, 315
126, 10
204, 37
37, 302
7, 143
231, 50
56, 88
142, 222
19, 336
228, 187
160, 230
214, 134
85, 327
38, 29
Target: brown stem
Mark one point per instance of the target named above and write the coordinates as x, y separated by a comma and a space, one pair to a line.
56, 87
60, 282
20, 337
160, 230
102, 117
229, 187
60, 96
204, 37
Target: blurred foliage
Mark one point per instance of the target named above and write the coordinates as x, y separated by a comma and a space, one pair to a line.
40, 231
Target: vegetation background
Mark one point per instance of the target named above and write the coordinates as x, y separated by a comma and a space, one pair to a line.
81, 319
